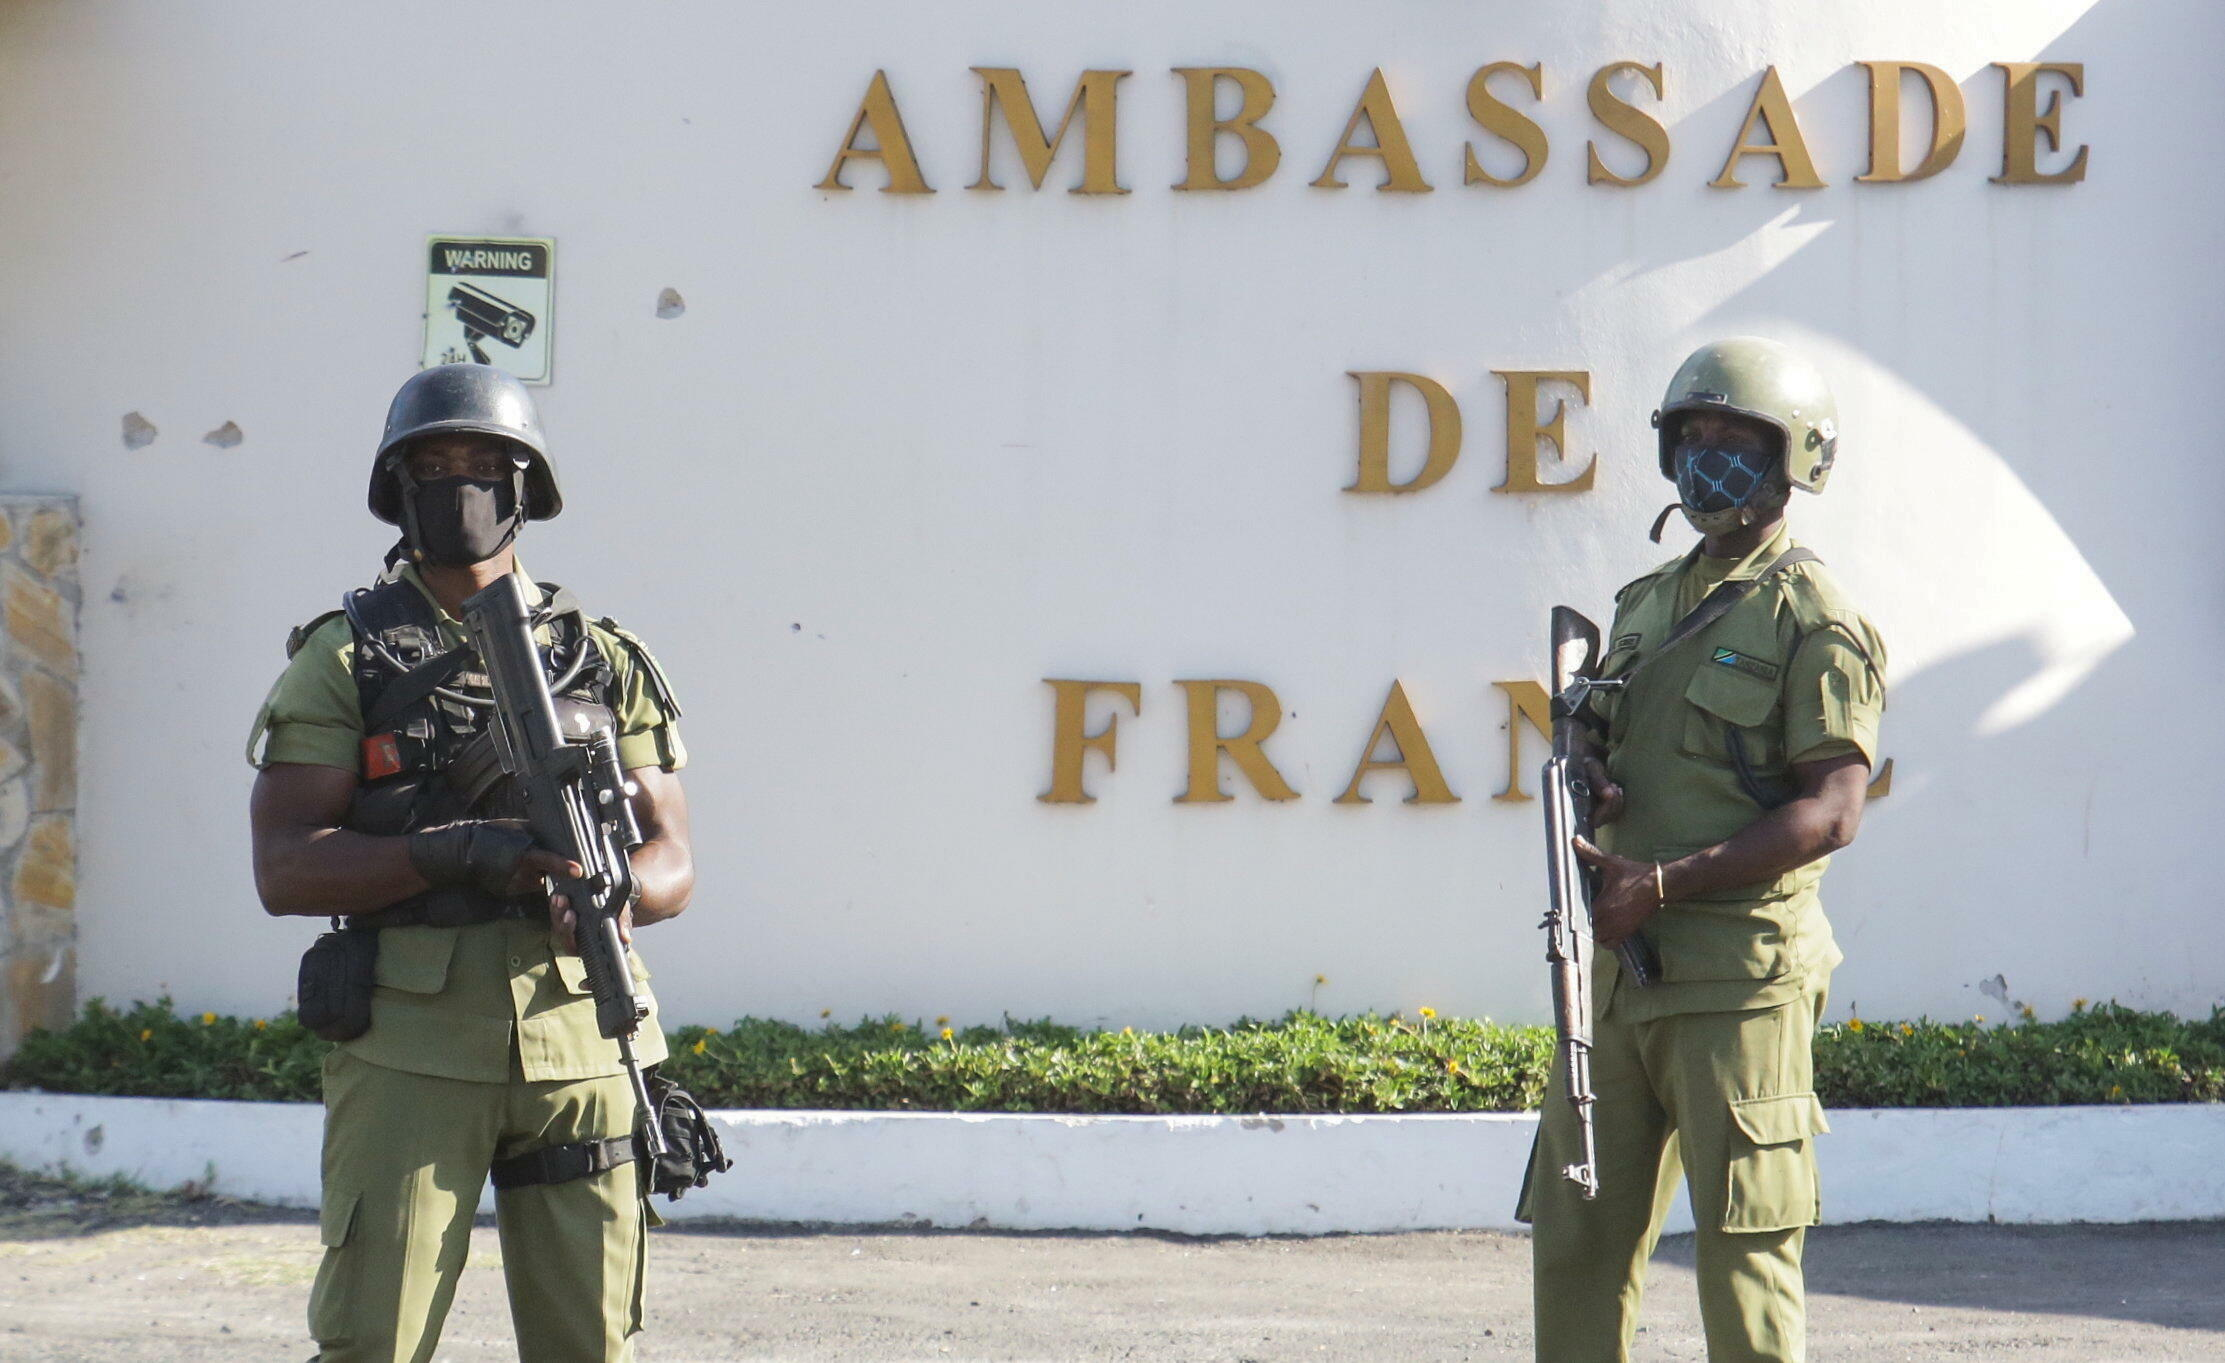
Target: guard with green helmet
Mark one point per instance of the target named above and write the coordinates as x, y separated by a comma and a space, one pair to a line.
1735, 718
468, 1038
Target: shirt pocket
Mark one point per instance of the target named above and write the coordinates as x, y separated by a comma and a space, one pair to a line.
415, 960
571, 971
1727, 695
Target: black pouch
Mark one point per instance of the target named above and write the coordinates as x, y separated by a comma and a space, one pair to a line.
333, 995
692, 1152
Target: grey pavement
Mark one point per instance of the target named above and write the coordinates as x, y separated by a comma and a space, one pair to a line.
124, 1278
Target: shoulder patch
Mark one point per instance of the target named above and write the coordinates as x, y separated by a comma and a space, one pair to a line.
647, 661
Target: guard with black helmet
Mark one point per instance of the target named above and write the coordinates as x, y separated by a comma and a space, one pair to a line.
468, 1041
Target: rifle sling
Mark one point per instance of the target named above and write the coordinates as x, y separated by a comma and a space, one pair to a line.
1717, 605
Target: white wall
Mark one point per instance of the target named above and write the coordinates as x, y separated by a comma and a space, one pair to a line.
903, 457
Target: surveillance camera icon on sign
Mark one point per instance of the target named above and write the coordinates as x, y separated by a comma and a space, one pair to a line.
484, 315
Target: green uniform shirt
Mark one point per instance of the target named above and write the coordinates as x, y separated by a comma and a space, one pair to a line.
458, 1002
1798, 675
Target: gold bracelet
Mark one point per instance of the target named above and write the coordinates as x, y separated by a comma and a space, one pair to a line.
1660, 890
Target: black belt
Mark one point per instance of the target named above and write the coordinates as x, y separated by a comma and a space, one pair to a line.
562, 1163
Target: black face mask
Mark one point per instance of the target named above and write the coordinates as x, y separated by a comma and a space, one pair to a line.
1717, 480
463, 520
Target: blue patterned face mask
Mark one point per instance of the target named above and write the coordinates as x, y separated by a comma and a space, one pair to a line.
1712, 481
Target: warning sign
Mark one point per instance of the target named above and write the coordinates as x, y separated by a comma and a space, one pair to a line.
487, 300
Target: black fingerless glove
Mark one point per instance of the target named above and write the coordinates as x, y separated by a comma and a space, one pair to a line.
480, 853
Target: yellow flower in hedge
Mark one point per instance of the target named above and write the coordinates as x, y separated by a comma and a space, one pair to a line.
1977, 1017
826, 1012
700, 1044
262, 1024
948, 1034
1127, 1031
146, 1033
1907, 1030
1320, 979
2078, 1005
1452, 1067
1428, 1012
1854, 1024
943, 1021
2116, 1090
208, 1019
896, 1026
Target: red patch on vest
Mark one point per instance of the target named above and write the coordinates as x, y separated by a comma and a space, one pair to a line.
382, 756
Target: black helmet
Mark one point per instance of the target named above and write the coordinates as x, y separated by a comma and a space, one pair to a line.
464, 397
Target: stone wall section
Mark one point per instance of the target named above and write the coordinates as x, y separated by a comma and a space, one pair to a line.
38, 764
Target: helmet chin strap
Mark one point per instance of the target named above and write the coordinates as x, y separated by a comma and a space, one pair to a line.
413, 542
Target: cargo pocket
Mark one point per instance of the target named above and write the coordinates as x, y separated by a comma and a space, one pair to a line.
1772, 1182
415, 960
330, 1299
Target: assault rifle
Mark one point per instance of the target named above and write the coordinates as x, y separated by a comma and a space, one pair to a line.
577, 807
1568, 923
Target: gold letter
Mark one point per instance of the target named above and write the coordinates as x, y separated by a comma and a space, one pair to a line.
2023, 123
1795, 168
1261, 152
890, 146
1069, 743
1207, 744
1496, 116
1390, 147
1375, 432
1525, 700
1524, 430
1623, 119
1413, 756
1097, 98
1947, 122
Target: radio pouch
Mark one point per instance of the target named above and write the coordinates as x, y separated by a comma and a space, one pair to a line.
333, 995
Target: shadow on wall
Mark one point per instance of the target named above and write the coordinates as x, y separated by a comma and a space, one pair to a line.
1994, 766
1826, 285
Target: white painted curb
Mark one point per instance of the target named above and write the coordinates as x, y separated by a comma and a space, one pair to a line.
1213, 1175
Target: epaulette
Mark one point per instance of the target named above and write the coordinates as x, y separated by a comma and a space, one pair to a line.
1650, 574
300, 634
1816, 603
648, 664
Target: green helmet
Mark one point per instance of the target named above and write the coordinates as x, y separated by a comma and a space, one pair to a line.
1753, 377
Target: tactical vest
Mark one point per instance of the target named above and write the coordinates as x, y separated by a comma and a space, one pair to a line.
428, 754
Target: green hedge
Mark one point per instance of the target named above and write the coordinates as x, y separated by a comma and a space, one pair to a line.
1300, 1063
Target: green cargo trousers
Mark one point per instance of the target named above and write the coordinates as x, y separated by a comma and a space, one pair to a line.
1729, 1097
405, 1159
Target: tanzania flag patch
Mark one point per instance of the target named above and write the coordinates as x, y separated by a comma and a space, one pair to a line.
1752, 667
